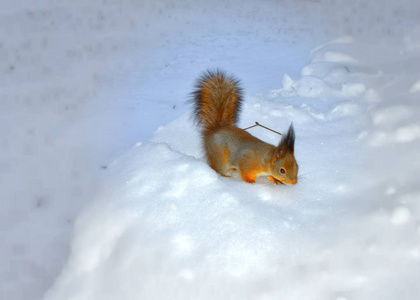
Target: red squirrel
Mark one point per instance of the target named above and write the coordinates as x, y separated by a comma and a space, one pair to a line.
217, 100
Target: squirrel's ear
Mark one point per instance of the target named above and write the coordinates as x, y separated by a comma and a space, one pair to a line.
287, 143
280, 151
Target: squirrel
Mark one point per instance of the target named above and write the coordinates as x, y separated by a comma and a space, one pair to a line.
217, 100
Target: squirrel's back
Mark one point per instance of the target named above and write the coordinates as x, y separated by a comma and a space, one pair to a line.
217, 100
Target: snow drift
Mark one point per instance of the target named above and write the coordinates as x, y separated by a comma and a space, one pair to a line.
166, 226
83, 82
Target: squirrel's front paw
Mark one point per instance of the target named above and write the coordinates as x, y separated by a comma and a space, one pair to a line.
274, 180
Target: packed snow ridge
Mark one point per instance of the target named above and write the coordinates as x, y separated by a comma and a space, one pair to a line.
166, 226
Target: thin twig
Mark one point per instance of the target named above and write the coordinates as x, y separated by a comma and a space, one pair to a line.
251, 127
258, 124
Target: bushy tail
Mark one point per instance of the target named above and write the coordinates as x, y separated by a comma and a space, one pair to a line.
217, 100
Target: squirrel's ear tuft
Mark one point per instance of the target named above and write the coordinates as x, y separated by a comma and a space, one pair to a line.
287, 143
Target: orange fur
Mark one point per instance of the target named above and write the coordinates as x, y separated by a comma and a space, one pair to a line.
217, 101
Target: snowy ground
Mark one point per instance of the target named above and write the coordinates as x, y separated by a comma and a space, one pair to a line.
94, 128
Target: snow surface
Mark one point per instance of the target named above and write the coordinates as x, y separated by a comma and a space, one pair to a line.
105, 193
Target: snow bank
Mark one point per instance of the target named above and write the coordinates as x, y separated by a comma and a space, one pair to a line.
82, 82
166, 226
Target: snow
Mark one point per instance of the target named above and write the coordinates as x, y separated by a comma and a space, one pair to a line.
105, 192
415, 88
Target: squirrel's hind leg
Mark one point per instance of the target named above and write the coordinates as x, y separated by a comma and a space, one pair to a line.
221, 163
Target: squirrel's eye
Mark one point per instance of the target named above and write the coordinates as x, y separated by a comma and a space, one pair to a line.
282, 171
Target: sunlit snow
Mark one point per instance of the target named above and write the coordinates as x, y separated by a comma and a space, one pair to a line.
105, 191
